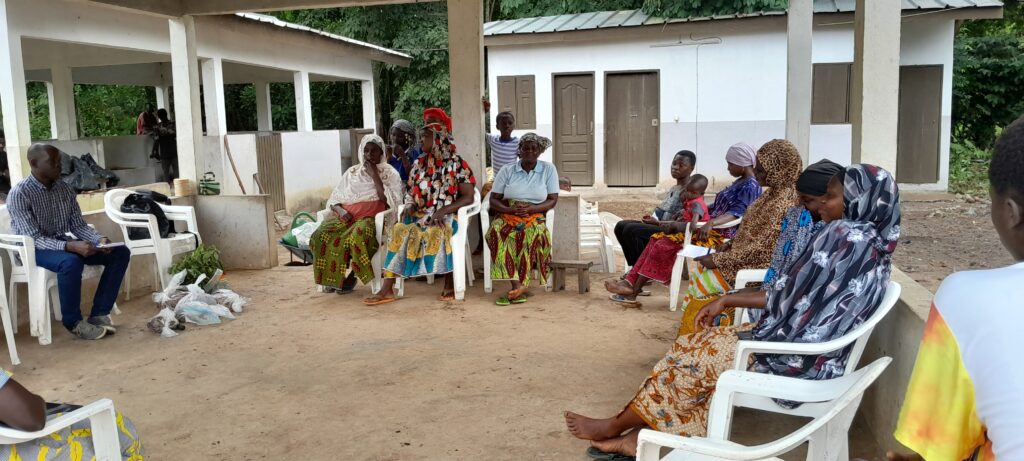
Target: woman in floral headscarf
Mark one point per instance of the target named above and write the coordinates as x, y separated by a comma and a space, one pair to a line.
439, 184
835, 284
347, 238
518, 236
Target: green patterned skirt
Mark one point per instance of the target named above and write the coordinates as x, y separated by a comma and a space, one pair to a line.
338, 246
518, 247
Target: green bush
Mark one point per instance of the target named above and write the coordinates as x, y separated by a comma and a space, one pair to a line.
968, 168
205, 260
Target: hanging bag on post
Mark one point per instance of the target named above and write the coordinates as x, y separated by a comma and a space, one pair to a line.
209, 185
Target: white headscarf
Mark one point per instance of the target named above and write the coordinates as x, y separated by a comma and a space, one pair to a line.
356, 184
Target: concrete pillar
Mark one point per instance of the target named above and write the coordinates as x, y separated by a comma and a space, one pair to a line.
370, 106
13, 98
466, 65
303, 104
874, 105
264, 114
213, 97
185, 75
61, 93
163, 99
799, 75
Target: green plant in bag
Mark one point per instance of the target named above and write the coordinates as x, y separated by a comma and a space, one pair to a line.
204, 260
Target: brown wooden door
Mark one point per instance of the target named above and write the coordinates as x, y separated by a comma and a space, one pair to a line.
917, 151
574, 128
631, 129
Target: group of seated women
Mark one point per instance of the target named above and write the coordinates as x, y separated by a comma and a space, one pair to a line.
429, 191
826, 236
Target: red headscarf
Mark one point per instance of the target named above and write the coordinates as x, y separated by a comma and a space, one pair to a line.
437, 112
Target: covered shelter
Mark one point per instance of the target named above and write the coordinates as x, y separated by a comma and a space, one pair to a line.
193, 42
64, 43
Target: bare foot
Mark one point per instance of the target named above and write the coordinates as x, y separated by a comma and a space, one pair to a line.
586, 428
625, 444
619, 287
447, 295
515, 293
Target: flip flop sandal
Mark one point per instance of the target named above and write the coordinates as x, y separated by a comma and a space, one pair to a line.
503, 301
379, 301
622, 300
520, 300
644, 293
594, 453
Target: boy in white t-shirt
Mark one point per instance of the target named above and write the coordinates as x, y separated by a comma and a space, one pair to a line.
965, 399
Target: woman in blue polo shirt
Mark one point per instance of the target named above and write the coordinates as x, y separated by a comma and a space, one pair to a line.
518, 237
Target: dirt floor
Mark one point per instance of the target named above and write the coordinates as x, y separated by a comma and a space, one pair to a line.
301, 375
938, 237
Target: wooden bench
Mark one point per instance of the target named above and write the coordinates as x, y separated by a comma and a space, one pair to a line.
582, 271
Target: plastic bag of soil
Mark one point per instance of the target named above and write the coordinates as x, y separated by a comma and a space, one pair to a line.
166, 323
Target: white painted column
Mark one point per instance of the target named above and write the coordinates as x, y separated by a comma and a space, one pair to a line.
163, 98
370, 106
264, 114
874, 105
13, 98
213, 97
185, 73
61, 93
303, 104
799, 75
466, 65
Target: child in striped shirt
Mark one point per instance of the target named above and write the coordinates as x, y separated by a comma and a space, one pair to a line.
504, 146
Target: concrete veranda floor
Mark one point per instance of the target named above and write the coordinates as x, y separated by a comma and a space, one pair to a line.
301, 375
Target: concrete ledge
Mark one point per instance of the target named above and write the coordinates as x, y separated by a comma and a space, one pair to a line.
241, 227
897, 336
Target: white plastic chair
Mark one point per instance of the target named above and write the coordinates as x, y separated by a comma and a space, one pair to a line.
592, 236
377, 262
42, 286
485, 224
743, 278
5, 315
163, 249
103, 422
462, 255
826, 436
677, 268
858, 337
611, 244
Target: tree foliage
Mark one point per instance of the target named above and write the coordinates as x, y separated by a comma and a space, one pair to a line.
988, 78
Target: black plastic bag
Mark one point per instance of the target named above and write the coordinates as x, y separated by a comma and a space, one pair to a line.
104, 175
147, 202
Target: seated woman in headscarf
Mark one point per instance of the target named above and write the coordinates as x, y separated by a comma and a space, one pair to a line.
778, 168
833, 286
518, 237
347, 239
439, 184
403, 151
732, 202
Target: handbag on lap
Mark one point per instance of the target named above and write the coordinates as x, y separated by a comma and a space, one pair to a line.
705, 286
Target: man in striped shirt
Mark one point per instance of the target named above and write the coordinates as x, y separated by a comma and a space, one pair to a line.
43, 207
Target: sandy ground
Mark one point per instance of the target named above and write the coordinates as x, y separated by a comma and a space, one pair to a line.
301, 375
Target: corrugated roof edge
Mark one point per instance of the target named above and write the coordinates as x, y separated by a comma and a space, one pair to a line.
289, 25
509, 26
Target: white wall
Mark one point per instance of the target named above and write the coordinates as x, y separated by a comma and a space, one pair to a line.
735, 92
312, 167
